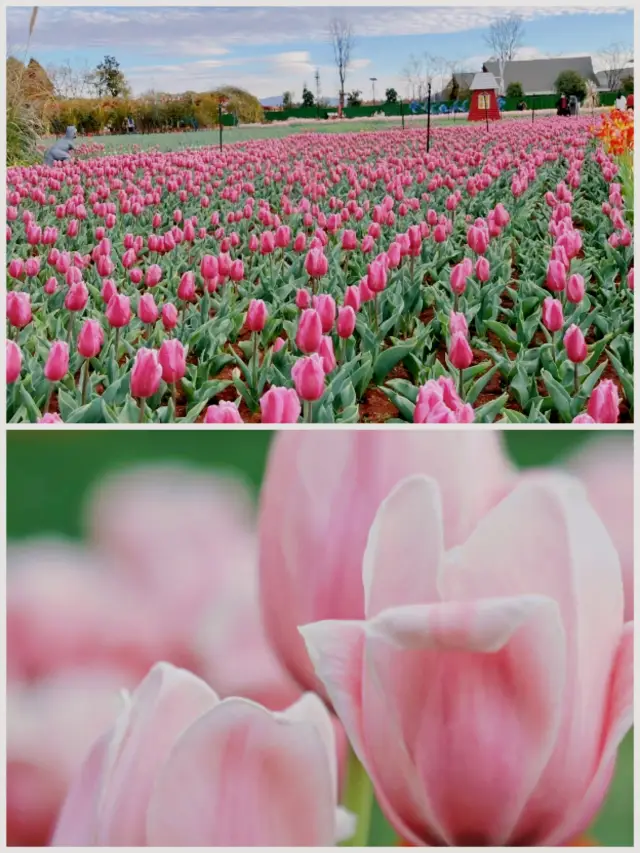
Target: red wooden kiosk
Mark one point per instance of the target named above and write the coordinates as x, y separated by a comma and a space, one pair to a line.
484, 98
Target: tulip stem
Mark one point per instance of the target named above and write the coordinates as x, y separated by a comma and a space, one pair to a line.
85, 380
117, 342
358, 799
460, 390
70, 329
308, 411
174, 397
576, 378
141, 419
254, 363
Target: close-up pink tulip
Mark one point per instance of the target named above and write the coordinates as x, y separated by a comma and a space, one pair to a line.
77, 297
309, 332
280, 406
223, 413
19, 312
176, 746
325, 306
439, 402
575, 289
604, 402
309, 377
575, 344
556, 276
460, 353
169, 316
552, 315
146, 373
318, 500
118, 311
257, 315
346, 322
147, 309
90, 339
172, 357
57, 363
153, 275
13, 357
488, 687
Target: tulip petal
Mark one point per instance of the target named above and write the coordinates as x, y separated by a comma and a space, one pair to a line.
164, 704
460, 685
76, 825
241, 776
618, 722
545, 538
405, 547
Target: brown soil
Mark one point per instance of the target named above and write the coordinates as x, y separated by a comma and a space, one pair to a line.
376, 408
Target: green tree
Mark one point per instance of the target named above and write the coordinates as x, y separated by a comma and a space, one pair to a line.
571, 83
626, 84
515, 90
108, 78
354, 99
308, 99
391, 96
287, 100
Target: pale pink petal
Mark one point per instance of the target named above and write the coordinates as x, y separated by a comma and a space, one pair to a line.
162, 707
77, 824
473, 691
618, 722
545, 538
240, 776
405, 547
336, 649
605, 466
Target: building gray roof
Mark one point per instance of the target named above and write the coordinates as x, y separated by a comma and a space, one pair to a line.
483, 80
538, 76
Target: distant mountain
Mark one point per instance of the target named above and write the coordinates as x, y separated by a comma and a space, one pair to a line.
276, 101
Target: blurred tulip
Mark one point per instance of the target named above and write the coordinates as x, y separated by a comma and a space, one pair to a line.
18, 309
280, 406
13, 361
223, 413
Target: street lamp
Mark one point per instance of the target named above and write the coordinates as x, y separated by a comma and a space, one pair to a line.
374, 80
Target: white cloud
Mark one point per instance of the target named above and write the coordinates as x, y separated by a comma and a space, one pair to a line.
356, 64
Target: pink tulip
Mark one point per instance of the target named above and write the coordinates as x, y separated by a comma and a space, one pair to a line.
153, 275
256, 316
575, 345
349, 240
77, 297
575, 289
309, 377
458, 690
173, 359
325, 306
478, 239
187, 287
147, 308
18, 309
169, 316
460, 353
280, 406
501, 215
552, 315
104, 266
118, 311
187, 747
327, 355
352, 297
51, 285
376, 277
57, 361
109, 290
223, 413
50, 418
32, 267
583, 418
346, 322
283, 236
556, 276
483, 270
458, 324
16, 268
13, 361
236, 272
440, 234
458, 279
145, 374
604, 402
303, 299
630, 276
209, 267
309, 332
90, 339
316, 263
438, 402
267, 243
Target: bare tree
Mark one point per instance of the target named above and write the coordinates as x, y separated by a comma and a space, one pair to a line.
504, 38
343, 40
616, 58
420, 71
70, 82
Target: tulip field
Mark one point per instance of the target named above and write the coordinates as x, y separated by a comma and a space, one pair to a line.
343, 278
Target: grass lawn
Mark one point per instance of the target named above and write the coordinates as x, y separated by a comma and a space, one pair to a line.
48, 474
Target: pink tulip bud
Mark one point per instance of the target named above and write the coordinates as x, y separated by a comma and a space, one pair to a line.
13, 361
316, 263
153, 275
478, 239
50, 418
309, 332
584, 418
236, 273
300, 243
146, 373
604, 403
187, 287
57, 361
51, 285
223, 413
224, 264
303, 299
483, 269
630, 277
173, 360
327, 355
278, 344
267, 243
118, 311
73, 227
253, 243
135, 275
32, 267
460, 353
129, 258
308, 377
376, 277
501, 215
90, 339
283, 236
438, 403
169, 316
575, 345
349, 240
368, 244
575, 288
458, 324
326, 307
552, 316
16, 268
394, 255
147, 308
556, 276
346, 321
18, 309
352, 297
256, 316
109, 289
280, 406
77, 297
458, 279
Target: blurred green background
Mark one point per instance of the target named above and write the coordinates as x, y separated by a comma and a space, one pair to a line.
50, 471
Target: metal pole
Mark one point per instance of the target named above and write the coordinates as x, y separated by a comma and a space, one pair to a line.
486, 111
402, 112
428, 117
533, 108
220, 122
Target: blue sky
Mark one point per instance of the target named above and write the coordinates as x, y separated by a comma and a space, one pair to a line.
269, 49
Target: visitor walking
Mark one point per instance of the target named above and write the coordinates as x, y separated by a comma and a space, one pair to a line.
621, 102
562, 105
